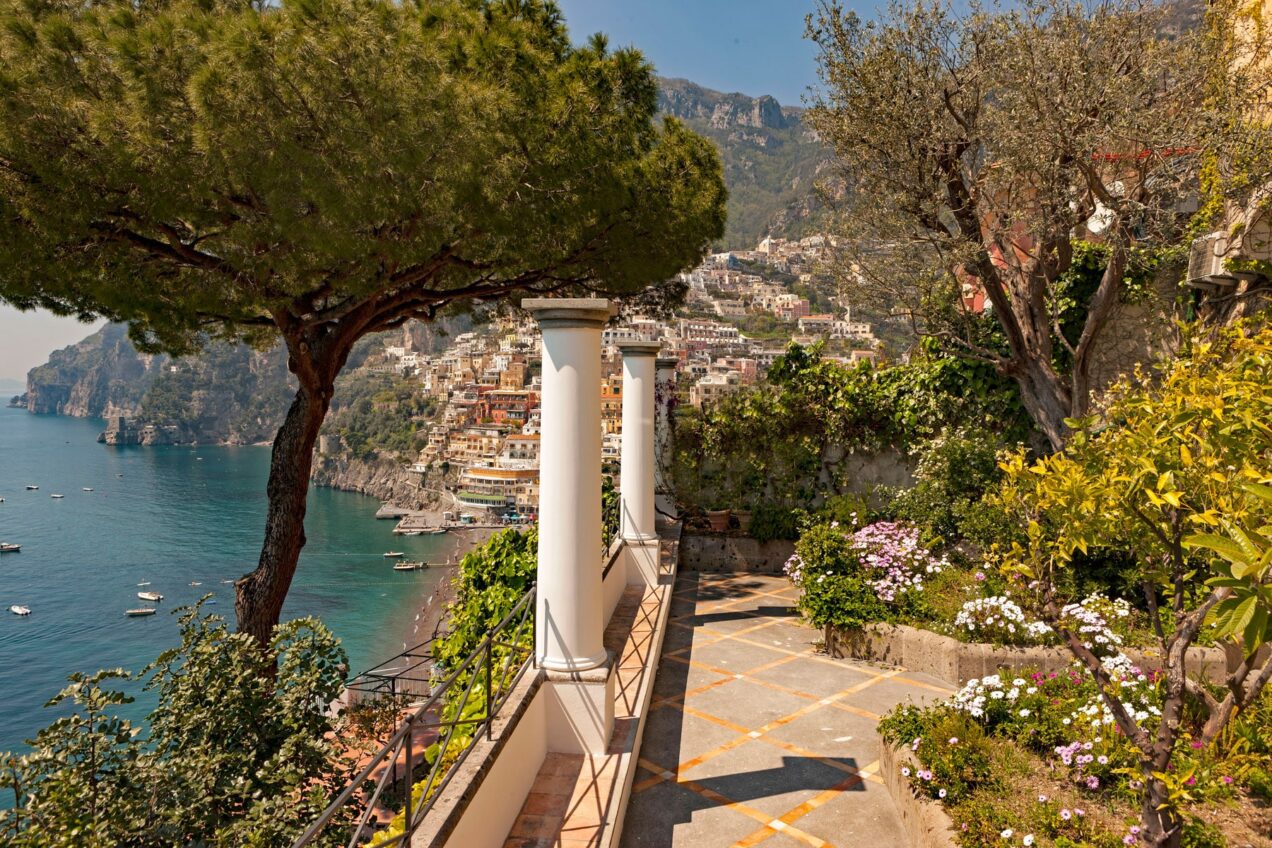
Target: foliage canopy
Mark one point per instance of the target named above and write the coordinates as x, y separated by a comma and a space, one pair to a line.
318, 170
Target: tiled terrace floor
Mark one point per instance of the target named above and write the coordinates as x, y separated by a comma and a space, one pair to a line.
753, 737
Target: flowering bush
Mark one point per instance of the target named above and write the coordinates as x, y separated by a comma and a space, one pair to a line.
852, 576
1092, 619
1000, 620
892, 555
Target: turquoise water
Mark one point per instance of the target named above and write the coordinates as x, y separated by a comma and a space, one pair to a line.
170, 516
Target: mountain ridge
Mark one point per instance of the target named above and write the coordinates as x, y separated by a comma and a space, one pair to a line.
772, 160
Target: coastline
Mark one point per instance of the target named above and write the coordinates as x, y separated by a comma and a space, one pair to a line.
431, 610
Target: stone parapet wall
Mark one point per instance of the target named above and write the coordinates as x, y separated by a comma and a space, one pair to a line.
722, 552
957, 662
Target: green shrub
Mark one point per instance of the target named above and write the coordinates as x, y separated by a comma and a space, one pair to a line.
955, 469
773, 521
956, 757
1198, 834
842, 600
1259, 782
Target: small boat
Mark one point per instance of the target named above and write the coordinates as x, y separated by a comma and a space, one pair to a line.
87, 489
18, 609
227, 581
196, 583
1, 500
393, 554
140, 611
144, 583
32, 488
150, 596
436, 531
408, 532
9, 548
57, 497
409, 565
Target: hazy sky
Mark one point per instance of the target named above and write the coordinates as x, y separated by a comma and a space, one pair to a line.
752, 46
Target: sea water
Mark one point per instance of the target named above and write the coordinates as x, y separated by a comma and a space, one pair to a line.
167, 517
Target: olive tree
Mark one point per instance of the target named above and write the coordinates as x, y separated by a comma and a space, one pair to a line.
316, 170
986, 149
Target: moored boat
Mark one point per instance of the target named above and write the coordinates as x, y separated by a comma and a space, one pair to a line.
87, 489
150, 596
18, 609
140, 611
7, 548
409, 565
32, 488
392, 554
57, 497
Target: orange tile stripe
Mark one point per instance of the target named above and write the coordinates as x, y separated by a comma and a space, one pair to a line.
784, 823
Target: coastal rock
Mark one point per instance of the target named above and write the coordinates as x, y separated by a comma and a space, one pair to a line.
226, 394
382, 478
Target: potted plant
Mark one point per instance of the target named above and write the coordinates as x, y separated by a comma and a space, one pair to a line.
719, 519
744, 518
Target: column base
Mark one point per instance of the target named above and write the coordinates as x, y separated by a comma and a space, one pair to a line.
580, 715
573, 665
643, 561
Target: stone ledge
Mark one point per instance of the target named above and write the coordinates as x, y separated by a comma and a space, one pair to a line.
957, 662
453, 801
706, 551
926, 823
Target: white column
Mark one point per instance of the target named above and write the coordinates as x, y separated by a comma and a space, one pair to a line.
569, 625
637, 489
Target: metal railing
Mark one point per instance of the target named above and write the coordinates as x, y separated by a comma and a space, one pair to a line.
410, 674
468, 699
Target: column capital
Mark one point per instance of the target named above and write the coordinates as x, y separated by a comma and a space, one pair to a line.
639, 347
664, 362
570, 311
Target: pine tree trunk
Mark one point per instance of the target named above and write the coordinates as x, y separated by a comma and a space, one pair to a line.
260, 595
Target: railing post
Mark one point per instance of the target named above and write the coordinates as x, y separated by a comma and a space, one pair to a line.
490, 694
410, 773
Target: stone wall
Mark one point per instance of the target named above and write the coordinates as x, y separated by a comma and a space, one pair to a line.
722, 552
957, 662
1136, 334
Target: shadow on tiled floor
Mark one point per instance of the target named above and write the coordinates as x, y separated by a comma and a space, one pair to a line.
754, 738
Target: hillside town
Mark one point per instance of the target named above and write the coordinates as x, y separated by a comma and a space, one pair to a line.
483, 442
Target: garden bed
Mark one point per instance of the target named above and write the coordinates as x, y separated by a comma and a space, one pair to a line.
926, 823
957, 662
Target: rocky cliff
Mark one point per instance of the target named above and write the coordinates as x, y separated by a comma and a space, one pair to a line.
386, 479
101, 376
228, 394
771, 159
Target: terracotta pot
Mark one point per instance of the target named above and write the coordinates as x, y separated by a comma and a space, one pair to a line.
744, 519
718, 519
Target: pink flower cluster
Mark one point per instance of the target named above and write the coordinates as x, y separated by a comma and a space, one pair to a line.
893, 553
